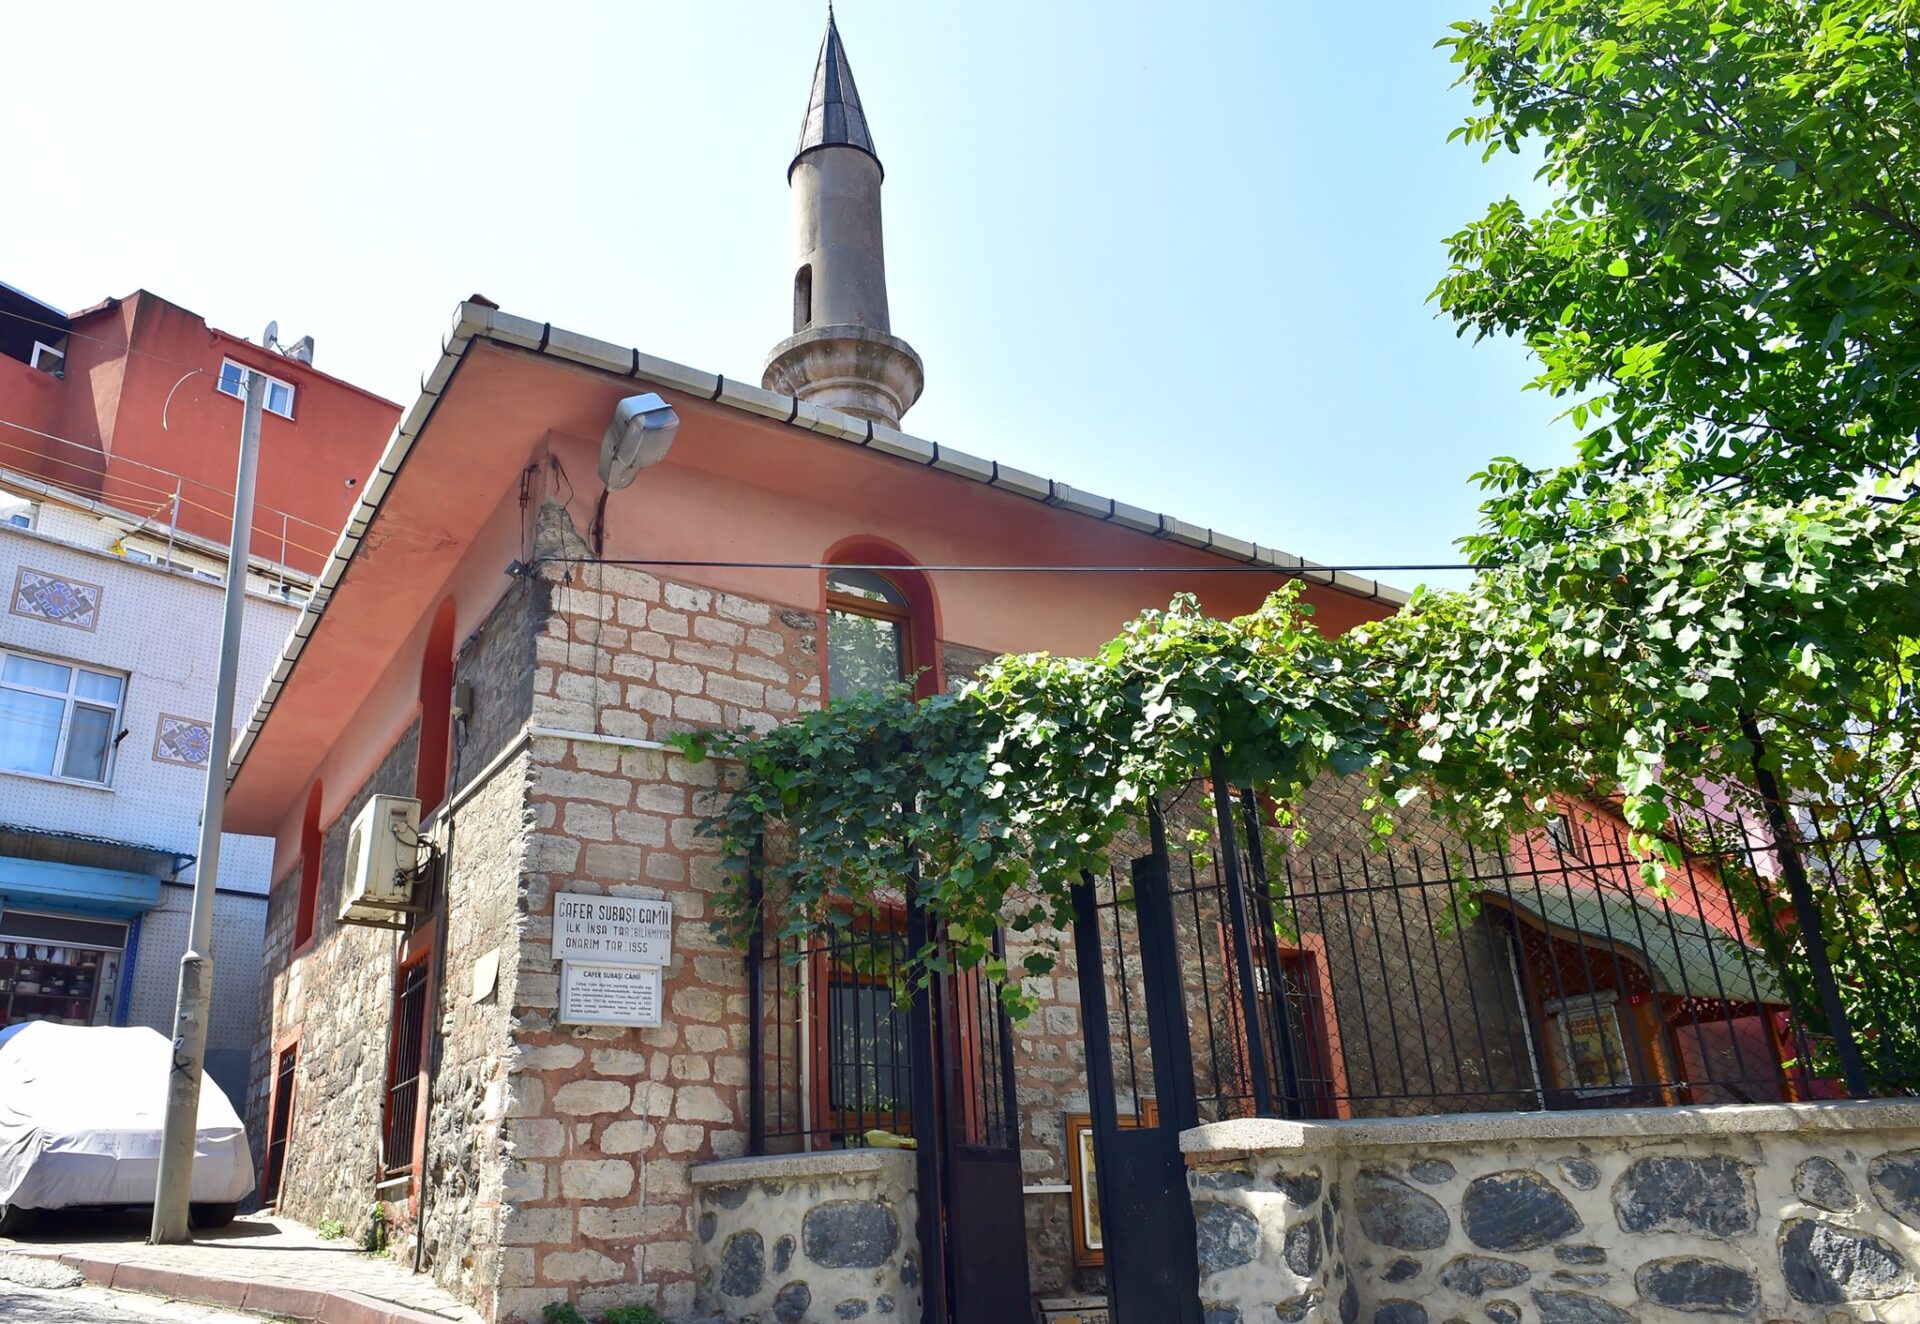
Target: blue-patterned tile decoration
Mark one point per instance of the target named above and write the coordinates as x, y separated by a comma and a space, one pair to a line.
50, 597
185, 741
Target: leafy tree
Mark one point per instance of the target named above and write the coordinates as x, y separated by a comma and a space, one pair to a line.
1726, 278
1723, 285
1644, 641
1662, 641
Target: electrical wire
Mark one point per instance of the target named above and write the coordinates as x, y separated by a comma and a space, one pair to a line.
166, 498
1237, 567
554, 462
126, 481
214, 488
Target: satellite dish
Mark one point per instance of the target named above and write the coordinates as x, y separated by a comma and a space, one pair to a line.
639, 435
272, 337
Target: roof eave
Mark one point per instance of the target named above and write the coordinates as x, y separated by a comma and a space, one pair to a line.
480, 321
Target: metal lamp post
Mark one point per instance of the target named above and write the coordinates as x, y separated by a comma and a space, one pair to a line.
174, 1187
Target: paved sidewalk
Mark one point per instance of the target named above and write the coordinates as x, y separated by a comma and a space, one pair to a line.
99, 1305
267, 1265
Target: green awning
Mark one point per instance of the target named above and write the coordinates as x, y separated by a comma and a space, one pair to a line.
1686, 956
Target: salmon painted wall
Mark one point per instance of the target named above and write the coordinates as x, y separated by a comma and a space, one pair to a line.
114, 401
734, 488
388, 704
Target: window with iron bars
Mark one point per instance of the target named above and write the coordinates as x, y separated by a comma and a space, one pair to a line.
406, 1051
832, 1049
280, 1124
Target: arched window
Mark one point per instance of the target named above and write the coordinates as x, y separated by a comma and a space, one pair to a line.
803, 298
436, 711
869, 633
311, 844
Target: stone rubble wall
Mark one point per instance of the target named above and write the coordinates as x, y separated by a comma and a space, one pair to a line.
1049, 1057
1424, 1020
336, 994
1771, 1213
458, 1213
828, 1236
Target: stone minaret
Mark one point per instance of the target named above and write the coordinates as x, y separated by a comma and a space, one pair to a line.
842, 353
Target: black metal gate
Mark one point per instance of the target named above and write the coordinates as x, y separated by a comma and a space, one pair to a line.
1166, 957
973, 1233
837, 1062
1147, 1222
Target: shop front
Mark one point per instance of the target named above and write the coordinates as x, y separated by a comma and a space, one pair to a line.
68, 935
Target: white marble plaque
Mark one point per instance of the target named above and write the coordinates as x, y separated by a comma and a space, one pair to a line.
612, 930
597, 994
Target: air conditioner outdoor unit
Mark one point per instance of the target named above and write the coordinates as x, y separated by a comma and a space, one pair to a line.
382, 855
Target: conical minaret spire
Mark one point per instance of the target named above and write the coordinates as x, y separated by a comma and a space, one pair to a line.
834, 117
842, 353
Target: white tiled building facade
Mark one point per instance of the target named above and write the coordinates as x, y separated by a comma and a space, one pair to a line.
92, 855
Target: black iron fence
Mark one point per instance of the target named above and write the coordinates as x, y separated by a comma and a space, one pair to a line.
1862, 867
1333, 979
833, 1042
832, 1057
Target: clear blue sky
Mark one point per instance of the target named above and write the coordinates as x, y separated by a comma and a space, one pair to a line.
1174, 254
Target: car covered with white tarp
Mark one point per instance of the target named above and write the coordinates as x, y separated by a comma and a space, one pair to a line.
81, 1109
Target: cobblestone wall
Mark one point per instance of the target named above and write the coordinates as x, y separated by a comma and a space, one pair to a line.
808, 1237
1774, 1212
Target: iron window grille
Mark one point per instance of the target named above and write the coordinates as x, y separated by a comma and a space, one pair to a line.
280, 1124
406, 1053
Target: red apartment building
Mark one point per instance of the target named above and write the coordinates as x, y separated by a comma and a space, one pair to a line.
136, 402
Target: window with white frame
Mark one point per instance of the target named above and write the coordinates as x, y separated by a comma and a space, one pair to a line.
58, 719
233, 382
47, 358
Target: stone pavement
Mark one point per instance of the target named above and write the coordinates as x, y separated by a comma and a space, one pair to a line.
260, 1263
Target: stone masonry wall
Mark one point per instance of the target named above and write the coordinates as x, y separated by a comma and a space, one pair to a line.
604, 1123
1050, 1081
808, 1236
337, 994
1767, 1213
458, 1210
1050, 1049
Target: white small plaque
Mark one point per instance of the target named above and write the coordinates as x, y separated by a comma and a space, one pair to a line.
486, 975
598, 994
612, 930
